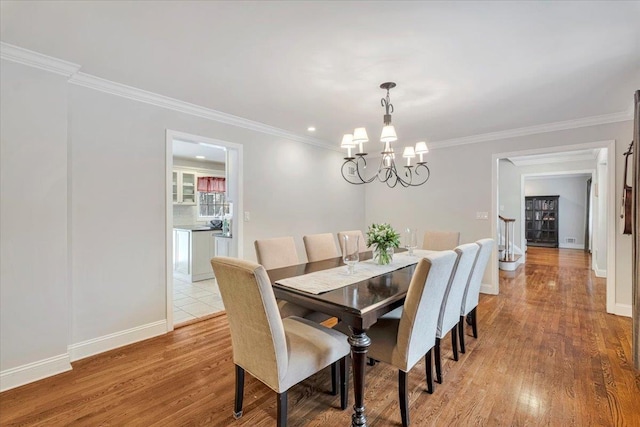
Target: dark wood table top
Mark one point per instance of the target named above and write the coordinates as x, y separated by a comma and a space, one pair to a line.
358, 305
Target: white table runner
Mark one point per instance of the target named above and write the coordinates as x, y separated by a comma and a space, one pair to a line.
327, 280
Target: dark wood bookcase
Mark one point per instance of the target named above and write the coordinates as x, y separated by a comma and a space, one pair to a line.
541, 221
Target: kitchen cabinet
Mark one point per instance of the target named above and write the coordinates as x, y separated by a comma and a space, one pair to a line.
184, 187
203, 249
193, 251
223, 246
182, 251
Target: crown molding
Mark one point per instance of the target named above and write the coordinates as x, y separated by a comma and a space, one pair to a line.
34, 59
129, 92
550, 158
622, 116
37, 60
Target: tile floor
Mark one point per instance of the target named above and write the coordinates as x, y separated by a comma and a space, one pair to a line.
194, 300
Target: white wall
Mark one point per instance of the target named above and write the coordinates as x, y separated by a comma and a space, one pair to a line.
34, 308
460, 186
572, 204
290, 189
601, 190
509, 197
96, 272
98, 282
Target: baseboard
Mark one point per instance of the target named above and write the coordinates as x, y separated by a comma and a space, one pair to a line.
599, 272
15, 377
623, 310
570, 246
486, 288
118, 339
203, 276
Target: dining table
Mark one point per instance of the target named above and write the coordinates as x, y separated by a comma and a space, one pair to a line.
357, 305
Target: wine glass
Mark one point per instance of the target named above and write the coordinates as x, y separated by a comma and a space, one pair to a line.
410, 239
350, 251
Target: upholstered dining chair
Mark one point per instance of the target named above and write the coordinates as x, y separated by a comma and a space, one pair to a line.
450, 310
278, 352
277, 252
281, 252
403, 340
472, 293
440, 240
320, 246
362, 242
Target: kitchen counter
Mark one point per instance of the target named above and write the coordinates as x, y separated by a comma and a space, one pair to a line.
197, 227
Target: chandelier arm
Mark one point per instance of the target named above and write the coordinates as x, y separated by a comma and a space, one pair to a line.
391, 174
357, 166
385, 172
417, 173
364, 165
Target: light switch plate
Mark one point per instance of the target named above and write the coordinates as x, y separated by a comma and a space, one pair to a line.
482, 215
247, 216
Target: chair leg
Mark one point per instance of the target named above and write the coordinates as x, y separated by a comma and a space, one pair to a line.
429, 368
461, 334
438, 362
237, 409
334, 379
282, 410
371, 362
474, 325
344, 382
454, 342
403, 397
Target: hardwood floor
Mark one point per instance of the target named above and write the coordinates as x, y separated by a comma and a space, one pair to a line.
547, 354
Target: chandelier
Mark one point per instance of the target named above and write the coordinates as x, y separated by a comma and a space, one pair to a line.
353, 168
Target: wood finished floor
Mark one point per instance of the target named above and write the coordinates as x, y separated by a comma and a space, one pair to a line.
547, 354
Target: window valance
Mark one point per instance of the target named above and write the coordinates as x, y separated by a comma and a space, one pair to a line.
210, 184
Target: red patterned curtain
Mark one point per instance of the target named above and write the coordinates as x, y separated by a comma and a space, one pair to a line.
210, 184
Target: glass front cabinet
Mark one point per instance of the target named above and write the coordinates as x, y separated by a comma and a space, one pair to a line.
184, 187
541, 221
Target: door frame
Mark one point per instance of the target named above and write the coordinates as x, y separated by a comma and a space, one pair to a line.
233, 169
610, 145
523, 178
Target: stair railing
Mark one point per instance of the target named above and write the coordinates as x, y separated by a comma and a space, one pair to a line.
507, 254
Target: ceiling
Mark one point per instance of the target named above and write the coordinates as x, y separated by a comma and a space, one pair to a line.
462, 68
189, 150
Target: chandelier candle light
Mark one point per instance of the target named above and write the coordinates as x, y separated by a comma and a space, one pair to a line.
387, 171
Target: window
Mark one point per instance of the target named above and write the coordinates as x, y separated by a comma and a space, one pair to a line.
212, 205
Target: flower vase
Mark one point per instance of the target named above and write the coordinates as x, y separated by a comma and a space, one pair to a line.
383, 255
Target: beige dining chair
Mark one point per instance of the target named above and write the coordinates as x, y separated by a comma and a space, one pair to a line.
450, 310
281, 252
440, 240
320, 246
362, 242
472, 293
278, 352
276, 253
403, 340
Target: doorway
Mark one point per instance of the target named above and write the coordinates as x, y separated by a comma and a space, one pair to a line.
605, 167
228, 153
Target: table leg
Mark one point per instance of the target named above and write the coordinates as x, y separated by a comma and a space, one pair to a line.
359, 342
